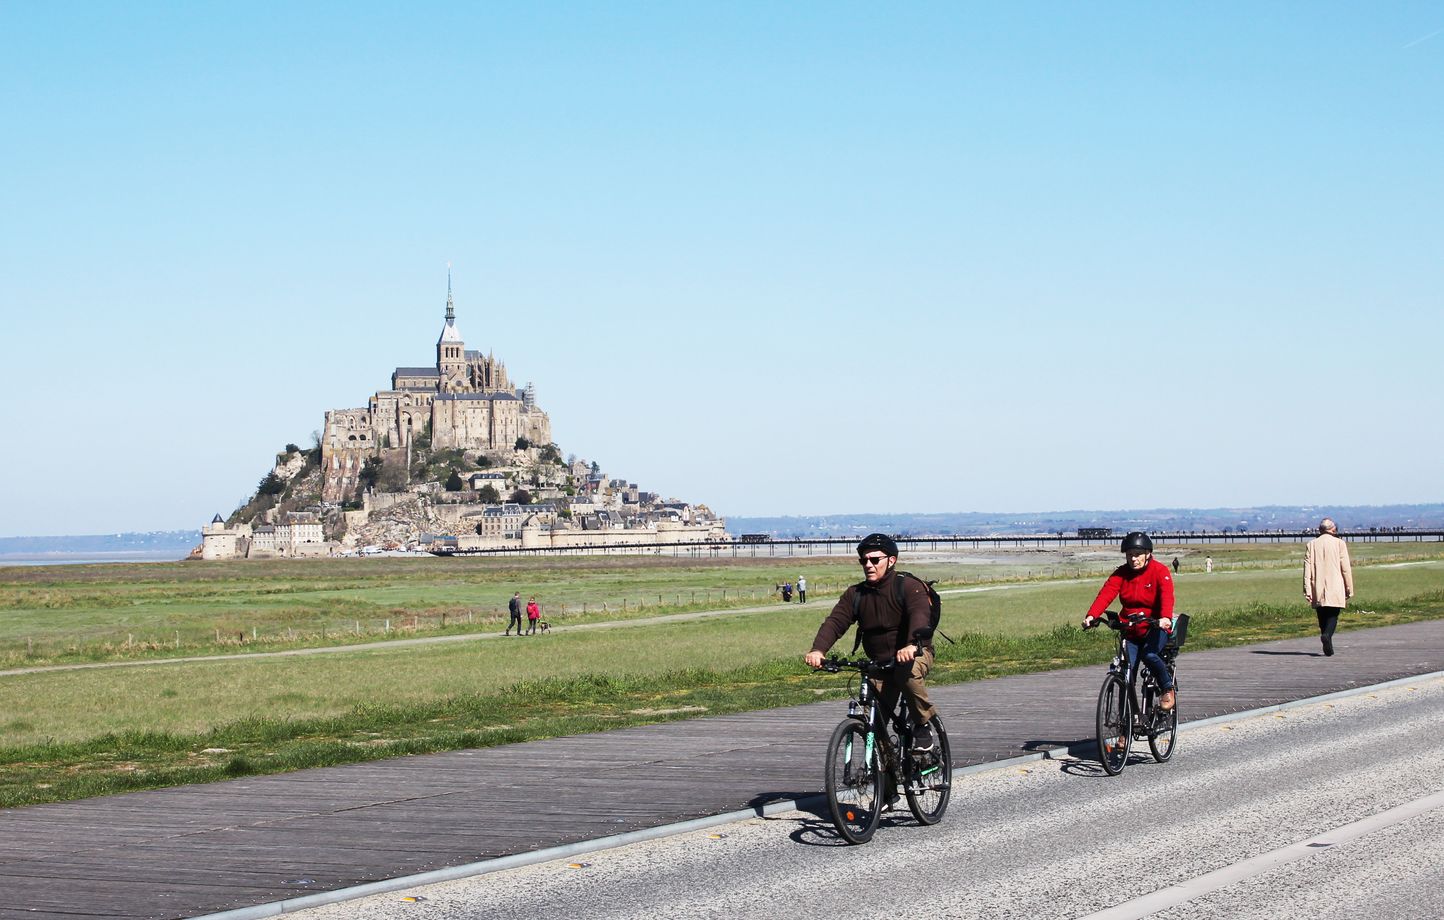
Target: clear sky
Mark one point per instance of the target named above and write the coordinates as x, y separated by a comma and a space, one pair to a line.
780, 258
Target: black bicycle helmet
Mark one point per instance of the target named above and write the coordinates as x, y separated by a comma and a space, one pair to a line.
877, 541
1136, 541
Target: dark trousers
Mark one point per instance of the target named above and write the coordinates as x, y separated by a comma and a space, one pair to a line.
1150, 650
515, 618
1328, 619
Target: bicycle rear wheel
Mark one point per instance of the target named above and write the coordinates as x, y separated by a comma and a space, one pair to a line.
1115, 725
930, 777
854, 782
1162, 727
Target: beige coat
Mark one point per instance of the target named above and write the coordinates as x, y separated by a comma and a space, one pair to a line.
1328, 577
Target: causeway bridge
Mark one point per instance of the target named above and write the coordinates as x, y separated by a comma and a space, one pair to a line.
844, 546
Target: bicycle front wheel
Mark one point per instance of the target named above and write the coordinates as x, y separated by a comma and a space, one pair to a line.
930, 777
854, 782
1115, 725
1163, 729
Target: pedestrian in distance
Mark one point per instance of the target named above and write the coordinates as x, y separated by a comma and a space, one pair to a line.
533, 613
514, 606
1208, 565
1175, 565
1328, 580
787, 592
801, 590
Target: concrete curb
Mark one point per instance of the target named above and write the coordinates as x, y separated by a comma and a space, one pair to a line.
810, 803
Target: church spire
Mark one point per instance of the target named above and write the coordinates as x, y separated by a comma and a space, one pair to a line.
450, 307
450, 350
449, 332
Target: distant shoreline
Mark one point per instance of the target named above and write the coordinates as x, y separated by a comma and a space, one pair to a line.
94, 558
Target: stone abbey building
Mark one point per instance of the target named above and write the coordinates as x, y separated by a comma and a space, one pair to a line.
463, 402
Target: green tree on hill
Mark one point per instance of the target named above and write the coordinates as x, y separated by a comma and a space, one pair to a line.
370, 471
454, 483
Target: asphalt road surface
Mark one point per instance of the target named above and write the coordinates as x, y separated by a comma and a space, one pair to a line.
1333, 810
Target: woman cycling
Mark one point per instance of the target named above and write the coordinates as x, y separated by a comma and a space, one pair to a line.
1146, 588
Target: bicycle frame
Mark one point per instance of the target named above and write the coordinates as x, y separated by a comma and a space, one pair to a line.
866, 708
871, 763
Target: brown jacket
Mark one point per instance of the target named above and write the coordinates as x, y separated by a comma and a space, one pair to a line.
1328, 577
879, 617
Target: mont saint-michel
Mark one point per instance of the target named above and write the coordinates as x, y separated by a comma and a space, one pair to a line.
450, 455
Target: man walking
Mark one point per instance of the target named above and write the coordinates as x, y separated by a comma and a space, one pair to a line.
515, 607
1328, 579
801, 589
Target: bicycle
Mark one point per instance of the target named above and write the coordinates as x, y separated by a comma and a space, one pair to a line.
1122, 716
870, 756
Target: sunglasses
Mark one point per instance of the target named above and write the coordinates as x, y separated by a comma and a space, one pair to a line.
871, 560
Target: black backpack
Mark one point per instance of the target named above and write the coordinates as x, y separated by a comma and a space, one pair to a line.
935, 607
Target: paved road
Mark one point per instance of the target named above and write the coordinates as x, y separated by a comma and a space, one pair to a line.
191, 850
1327, 811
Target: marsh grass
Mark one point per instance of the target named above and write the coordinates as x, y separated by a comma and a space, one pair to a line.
98, 613
534, 707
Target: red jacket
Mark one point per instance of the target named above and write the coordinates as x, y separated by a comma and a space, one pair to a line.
533, 612
1146, 591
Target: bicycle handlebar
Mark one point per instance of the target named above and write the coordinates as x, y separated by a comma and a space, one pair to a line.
834, 664
1114, 621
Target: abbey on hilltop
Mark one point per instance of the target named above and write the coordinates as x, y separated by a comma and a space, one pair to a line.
452, 457
464, 402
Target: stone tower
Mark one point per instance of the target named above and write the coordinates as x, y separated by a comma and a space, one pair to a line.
450, 350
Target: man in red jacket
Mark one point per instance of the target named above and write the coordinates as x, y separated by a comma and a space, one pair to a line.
1145, 587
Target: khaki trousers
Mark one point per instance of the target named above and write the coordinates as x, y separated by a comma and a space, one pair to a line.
913, 688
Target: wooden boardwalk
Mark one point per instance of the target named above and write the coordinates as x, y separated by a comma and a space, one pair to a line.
195, 850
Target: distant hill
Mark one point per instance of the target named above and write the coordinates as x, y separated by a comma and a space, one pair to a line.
972, 523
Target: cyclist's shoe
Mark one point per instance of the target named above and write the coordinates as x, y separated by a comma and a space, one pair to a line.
923, 740
1166, 701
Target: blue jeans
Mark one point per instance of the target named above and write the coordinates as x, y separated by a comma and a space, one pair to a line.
1151, 647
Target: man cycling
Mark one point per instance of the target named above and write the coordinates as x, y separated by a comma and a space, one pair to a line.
1146, 589
893, 625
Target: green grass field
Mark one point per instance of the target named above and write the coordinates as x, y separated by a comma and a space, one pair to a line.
53, 614
70, 733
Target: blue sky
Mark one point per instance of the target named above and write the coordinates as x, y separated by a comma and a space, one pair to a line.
777, 258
